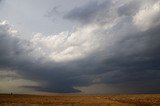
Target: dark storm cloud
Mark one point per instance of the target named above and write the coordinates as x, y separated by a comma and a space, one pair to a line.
89, 12
131, 64
54, 77
135, 64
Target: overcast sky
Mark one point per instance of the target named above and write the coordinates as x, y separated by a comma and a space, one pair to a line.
80, 47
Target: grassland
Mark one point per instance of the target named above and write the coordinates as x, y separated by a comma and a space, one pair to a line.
119, 100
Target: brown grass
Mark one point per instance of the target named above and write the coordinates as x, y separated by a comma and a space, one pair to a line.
121, 100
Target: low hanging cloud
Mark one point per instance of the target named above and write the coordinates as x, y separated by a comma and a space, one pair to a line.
117, 45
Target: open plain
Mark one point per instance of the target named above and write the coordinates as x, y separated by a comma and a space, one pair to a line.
118, 100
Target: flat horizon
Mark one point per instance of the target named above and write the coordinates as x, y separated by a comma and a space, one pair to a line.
75, 47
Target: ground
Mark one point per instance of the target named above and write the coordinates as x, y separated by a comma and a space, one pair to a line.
118, 100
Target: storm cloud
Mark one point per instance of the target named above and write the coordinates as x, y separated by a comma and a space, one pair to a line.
116, 45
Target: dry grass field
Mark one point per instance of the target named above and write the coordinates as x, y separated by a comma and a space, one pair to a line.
121, 100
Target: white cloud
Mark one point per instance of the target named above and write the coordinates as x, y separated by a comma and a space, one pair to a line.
148, 15
66, 46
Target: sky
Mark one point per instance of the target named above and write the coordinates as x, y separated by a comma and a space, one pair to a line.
80, 47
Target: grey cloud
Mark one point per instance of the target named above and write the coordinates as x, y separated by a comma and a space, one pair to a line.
129, 8
53, 11
93, 11
57, 77
136, 63
1, 1
132, 63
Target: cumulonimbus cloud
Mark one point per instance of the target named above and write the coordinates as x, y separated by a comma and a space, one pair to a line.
114, 45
